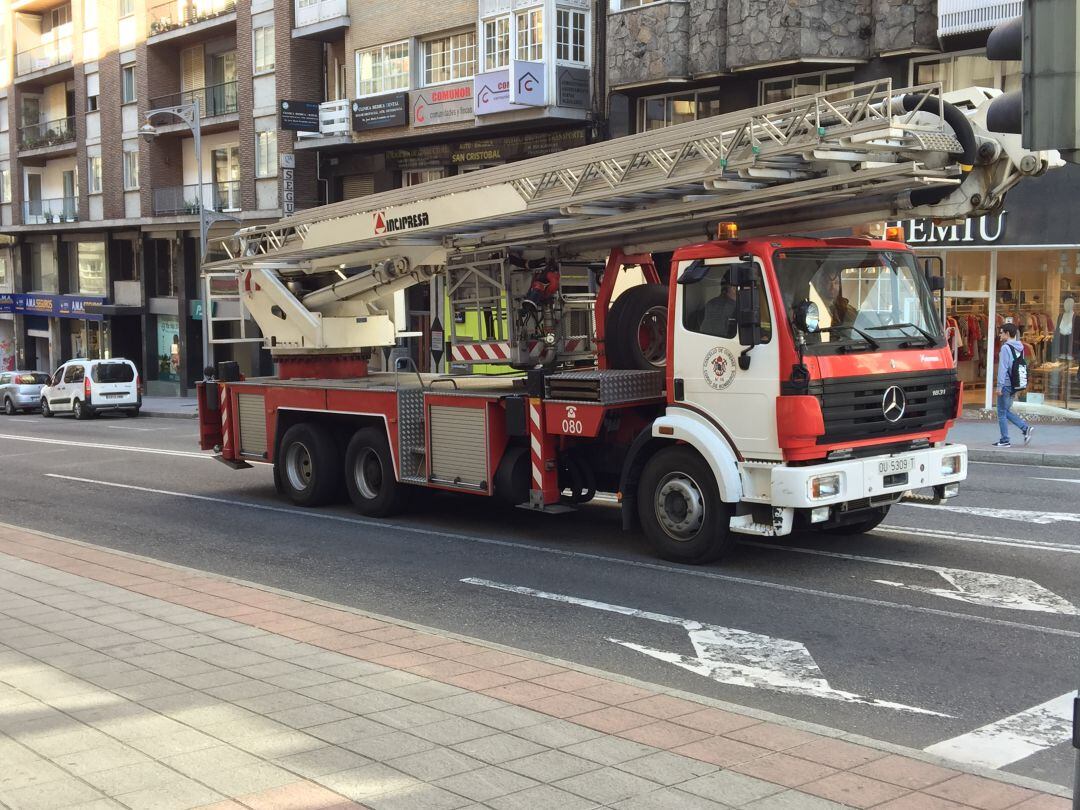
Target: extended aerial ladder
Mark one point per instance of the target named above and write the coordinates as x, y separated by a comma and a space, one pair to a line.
331, 280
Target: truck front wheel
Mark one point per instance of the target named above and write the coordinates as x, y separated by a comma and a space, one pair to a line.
680, 508
369, 475
308, 465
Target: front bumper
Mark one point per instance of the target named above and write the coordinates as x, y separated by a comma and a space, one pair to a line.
865, 479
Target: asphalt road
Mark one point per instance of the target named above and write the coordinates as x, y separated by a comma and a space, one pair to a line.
964, 616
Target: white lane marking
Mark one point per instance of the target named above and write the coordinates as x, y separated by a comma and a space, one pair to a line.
1060, 480
97, 446
17, 419
126, 427
309, 514
992, 540
1012, 738
1022, 515
34, 453
972, 587
726, 654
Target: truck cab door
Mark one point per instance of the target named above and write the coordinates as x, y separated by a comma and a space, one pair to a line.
707, 351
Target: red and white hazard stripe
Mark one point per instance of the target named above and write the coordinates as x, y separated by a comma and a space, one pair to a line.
536, 432
226, 449
480, 352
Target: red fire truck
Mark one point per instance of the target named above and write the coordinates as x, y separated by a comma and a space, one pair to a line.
751, 384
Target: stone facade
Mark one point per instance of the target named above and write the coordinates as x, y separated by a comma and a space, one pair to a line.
761, 32
707, 50
904, 26
649, 44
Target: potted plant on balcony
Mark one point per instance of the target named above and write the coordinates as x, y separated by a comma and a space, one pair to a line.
191, 206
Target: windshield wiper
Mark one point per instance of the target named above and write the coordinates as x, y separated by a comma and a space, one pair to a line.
930, 339
873, 344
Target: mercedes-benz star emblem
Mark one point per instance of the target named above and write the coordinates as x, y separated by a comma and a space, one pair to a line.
894, 403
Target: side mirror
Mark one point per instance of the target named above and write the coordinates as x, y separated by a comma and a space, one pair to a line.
806, 317
937, 283
743, 274
694, 272
749, 316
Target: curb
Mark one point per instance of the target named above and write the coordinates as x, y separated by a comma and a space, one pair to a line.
1070, 460
1003, 776
168, 414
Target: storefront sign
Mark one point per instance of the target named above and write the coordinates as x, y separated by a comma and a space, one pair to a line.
168, 348
491, 150
300, 116
491, 92
982, 231
51, 306
572, 87
380, 112
528, 88
288, 185
445, 104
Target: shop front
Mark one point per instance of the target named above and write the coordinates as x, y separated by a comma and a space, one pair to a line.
56, 321
1023, 267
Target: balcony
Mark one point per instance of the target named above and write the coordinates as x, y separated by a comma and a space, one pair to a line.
965, 16
45, 134
44, 212
319, 19
43, 57
184, 200
214, 100
179, 14
335, 121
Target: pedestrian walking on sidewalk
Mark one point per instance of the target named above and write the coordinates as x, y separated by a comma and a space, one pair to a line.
1010, 360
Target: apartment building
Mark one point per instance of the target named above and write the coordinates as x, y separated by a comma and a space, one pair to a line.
104, 224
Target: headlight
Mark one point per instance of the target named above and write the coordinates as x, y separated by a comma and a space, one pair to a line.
950, 465
825, 486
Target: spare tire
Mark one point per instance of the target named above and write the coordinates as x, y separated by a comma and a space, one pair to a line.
636, 334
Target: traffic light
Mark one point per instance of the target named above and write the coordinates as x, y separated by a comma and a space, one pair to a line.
1046, 110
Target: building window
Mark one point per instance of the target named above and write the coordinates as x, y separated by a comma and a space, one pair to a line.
93, 174
5, 185
131, 171
804, 84
417, 176
382, 69
3, 271
497, 43
530, 35
266, 153
90, 14
969, 69
92, 268
92, 90
570, 36
127, 84
127, 8
621, 5
58, 17
264, 49
657, 112
449, 58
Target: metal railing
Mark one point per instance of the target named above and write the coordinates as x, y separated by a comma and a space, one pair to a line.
216, 99
58, 209
309, 12
47, 133
46, 55
965, 16
335, 118
180, 13
181, 200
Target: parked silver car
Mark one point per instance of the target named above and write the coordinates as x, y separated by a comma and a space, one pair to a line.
21, 390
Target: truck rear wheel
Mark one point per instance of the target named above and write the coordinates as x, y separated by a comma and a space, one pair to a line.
310, 465
680, 508
636, 334
369, 475
860, 526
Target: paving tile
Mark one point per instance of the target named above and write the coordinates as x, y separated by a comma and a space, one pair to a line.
241, 690
366, 781
104, 757
733, 788
784, 770
920, 801
664, 734
298, 680
662, 707
498, 748
530, 670
564, 705
320, 761
1044, 803
410, 716
316, 714
612, 720
178, 795
388, 746
569, 681
333, 690
282, 744
49, 795
614, 693
548, 766
219, 758
370, 703
721, 751
248, 779
80, 738
509, 718
906, 772
772, 736
436, 763
793, 800
454, 730
854, 790
985, 794
277, 701
180, 742
426, 691
557, 733
607, 785
465, 704
666, 768
388, 679
294, 796
520, 692
714, 721
668, 799
608, 750
131, 778
420, 797
479, 680
484, 784
541, 797
836, 753
347, 730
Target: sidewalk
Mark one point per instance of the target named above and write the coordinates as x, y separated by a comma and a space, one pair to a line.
173, 407
1054, 445
126, 682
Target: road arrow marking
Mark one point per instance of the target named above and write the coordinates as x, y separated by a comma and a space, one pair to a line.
1013, 738
1023, 515
973, 587
727, 655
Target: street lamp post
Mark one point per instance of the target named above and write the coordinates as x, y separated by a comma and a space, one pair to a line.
190, 114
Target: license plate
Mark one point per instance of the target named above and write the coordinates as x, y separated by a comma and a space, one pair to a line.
895, 465
116, 395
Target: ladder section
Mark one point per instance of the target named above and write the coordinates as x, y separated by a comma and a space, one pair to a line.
221, 292
831, 144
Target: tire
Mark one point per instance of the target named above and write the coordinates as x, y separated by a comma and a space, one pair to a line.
680, 508
45, 410
132, 413
9, 407
81, 411
310, 465
369, 475
636, 333
861, 526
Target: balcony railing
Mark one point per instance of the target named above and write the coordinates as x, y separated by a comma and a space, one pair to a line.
47, 133
43, 56
181, 200
334, 120
310, 12
217, 99
59, 209
181, 13
965, 16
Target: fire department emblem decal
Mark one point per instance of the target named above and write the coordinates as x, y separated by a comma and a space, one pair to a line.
719, 368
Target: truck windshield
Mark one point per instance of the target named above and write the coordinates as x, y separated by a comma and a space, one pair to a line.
867, 299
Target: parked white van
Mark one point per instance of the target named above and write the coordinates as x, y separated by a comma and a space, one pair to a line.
88, 387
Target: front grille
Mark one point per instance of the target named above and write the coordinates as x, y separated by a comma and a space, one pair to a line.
852, 406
